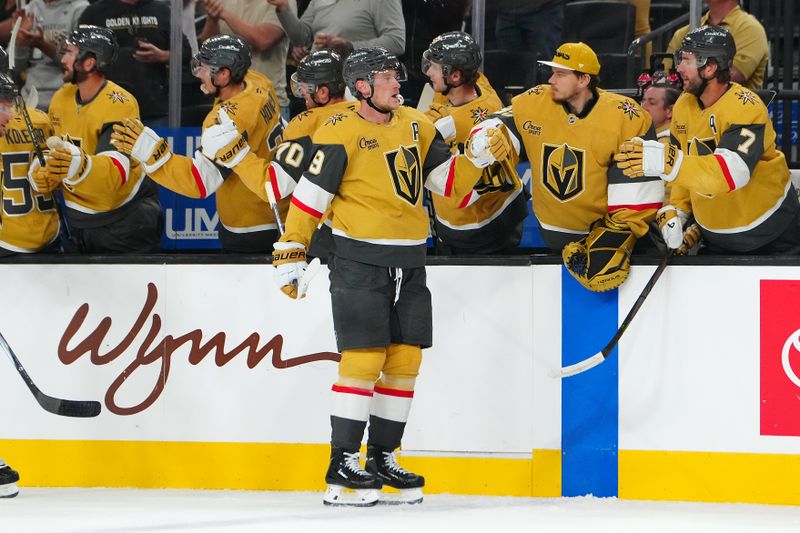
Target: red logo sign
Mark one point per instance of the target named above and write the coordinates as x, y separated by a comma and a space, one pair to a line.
780, 357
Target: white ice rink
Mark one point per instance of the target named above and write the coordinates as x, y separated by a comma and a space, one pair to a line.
142, 511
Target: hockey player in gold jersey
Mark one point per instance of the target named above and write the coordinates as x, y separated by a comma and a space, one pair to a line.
367, 172
722, 162
247, 224
111, 206
29, 220
570, 130
490, 221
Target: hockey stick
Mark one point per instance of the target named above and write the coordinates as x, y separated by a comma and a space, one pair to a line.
57, 406
599, 357
313, 266
37, 149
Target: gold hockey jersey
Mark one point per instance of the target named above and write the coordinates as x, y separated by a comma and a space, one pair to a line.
292, 156
482, 83
732, 177
371, 176
113, 180
478, 221
241, 209
29, 220
574, 179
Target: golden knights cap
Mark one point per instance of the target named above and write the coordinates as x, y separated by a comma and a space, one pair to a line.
575, 56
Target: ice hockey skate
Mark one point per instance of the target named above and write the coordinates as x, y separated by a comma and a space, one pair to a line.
8, 481
348, 483
383, 464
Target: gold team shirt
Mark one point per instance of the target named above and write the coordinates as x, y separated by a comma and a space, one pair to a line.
113, 179
292, 156
241, 209
482, 83
368, 177
752, 48
465, 223
29, 221
574, 179
732, 177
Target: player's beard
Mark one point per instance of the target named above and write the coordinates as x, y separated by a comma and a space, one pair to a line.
695, 87
76, 76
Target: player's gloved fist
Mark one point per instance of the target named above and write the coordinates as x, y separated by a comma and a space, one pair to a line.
437, 111
670, 221
289, 260
601, 260
445, 124
39, 180
493, 179
637, 157
487, 143
222, 143
141, 143
690, 237
66, 162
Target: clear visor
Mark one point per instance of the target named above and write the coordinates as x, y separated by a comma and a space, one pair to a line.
198, 66
398, 74
426, 61
301, 88
689, 58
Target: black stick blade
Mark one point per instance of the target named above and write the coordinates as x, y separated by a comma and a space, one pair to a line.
72, 408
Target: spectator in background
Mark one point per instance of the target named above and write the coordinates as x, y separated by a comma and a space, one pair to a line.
658, 98
142, 29
752, 49
44, 25
533, 25
7, 9
256, 22
344, 25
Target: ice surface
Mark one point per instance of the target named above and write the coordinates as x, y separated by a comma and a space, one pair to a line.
143, 511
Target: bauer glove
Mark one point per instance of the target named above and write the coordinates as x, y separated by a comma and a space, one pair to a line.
487, 143
638, 157
601, 260
670, 221
141, 143
65, 162
222, 143
289, 260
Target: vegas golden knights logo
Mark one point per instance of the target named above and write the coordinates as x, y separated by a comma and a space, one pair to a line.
406, 171
562, 171
702, 146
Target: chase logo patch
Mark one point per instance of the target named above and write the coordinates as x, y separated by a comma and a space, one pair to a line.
117, 97
562, 171
406, 171
629, 108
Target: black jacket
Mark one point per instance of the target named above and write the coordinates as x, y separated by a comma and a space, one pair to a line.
145, 20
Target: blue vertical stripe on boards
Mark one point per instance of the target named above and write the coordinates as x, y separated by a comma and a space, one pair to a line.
589, 401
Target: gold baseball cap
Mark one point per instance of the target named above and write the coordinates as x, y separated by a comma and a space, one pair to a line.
575, 56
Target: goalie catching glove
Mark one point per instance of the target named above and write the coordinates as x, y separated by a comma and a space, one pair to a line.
141, 143
64, 162
638, 157
601, 260
222, 143
289, 260
487, 143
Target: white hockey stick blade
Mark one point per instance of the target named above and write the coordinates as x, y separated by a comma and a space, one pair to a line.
12, 45
311, 271
31, 96
582, 366
426, 97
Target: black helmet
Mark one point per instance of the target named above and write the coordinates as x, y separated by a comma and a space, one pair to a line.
8, 89
100, 42
454, 50
364, 63
319, 68
709, 42
224, 51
